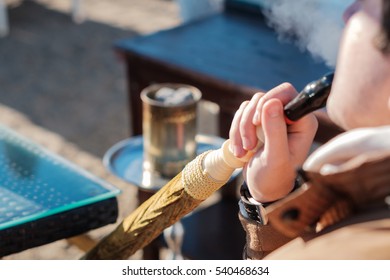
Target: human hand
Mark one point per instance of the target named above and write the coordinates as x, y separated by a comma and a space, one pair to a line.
270, 173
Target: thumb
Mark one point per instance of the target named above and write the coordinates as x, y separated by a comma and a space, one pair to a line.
275, 130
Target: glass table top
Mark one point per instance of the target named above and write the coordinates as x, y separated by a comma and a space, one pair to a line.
35, 183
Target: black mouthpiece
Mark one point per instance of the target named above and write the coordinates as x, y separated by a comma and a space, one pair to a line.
311, 98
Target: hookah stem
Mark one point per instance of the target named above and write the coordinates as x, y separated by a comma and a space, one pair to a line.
190, 187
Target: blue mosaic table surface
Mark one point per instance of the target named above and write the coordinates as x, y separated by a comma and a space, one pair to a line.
36, 183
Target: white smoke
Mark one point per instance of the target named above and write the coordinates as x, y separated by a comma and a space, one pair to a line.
315, 25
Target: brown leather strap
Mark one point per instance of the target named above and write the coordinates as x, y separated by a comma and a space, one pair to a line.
329, 198
363, 179
301, 210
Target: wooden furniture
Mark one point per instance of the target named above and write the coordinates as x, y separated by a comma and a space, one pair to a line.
228, 56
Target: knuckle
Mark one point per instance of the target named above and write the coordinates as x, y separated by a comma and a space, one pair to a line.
287, 86
258, 95
243, 105
284, 89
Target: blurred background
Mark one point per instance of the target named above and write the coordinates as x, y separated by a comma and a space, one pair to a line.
59, 70
64, 75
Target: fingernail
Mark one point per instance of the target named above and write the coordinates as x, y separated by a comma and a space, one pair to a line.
246, 143
235, 150
274, 111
